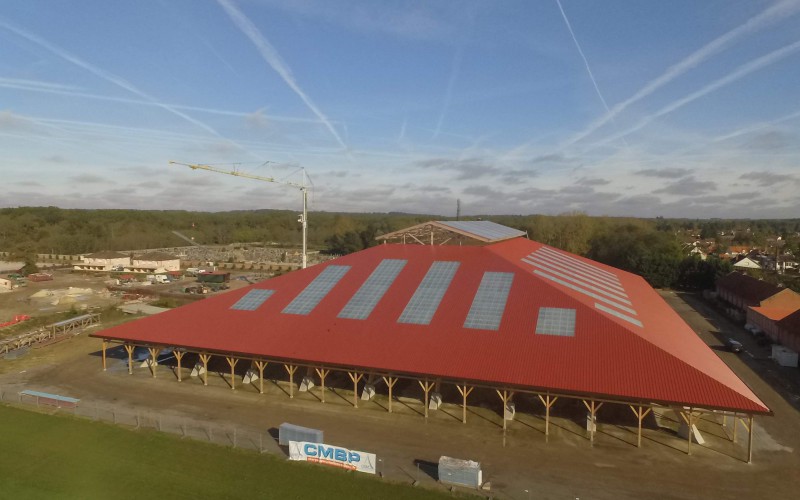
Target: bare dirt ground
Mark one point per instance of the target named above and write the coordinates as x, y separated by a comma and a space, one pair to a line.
565, 466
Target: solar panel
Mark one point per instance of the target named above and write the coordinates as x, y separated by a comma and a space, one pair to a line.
618, 314
489, 303
574, 270
372, 291
252, 300
556, 321
579, 263
619, 296
584, 291
316, 290
484, 229
423, 304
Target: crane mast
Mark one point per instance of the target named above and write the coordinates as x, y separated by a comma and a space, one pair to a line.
302, 186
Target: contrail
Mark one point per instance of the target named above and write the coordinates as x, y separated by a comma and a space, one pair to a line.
271, 56
740, 72
448, 95
777, 12
110, 77
583, 56
756, 127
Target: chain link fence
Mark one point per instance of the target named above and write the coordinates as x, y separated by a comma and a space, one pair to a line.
235, 436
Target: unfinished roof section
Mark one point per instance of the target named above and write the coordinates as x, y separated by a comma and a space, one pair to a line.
751, 290
443, 232
515, 314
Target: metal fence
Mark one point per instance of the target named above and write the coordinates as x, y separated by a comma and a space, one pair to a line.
235, 436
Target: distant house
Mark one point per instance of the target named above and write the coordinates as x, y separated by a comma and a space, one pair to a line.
779, 317
103, 261
742, 291
6, 285
156, 262
747, 263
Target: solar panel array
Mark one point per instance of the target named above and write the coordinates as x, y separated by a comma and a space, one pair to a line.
252, 300
586, 279
316, 290
484, 229
489, 303
556, 321
423, 304
372, 291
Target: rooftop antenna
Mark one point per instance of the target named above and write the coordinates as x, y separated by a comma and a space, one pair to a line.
458, 209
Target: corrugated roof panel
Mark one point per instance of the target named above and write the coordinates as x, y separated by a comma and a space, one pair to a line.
373, 290
489, 302
316, 290
252, 300
597, 287
579, 263
568, 266
618, 314
485, 229
423, 304
583, 291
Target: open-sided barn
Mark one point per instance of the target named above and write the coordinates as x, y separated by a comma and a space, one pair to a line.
516, 316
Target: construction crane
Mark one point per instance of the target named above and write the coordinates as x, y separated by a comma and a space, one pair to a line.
302, 186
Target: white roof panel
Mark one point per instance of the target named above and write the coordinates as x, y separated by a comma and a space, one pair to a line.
489, 230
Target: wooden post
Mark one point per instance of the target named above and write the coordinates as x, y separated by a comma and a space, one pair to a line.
322, 374
290, 369
105, 342
750, 439
548, 403
205, 358
426, 386
129, 348
593, 407
355, 377
232, 363
390, 381
689, 419
178, 356
640, 415
154, 355
261, 365
735, 425
465, 391
505, 396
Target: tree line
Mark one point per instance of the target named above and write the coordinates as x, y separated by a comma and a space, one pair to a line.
650, 248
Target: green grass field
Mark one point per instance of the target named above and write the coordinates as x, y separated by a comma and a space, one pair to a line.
55, 457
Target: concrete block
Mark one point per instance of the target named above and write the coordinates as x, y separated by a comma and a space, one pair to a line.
683, 432
197, 370
509, 411
250, 375
435, 401
307, 384
368, 392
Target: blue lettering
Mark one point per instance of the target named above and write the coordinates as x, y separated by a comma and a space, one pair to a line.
310, 450
354, 457
325, 452
340, 455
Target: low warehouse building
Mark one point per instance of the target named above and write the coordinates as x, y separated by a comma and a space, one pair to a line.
515, 317
156, 262
103, 261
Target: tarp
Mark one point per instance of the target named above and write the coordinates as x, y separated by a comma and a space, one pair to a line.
334, 456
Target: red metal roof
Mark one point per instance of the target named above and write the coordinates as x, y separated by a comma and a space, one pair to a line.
652, 356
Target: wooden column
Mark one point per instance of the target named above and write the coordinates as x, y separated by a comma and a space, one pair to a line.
179, 356
735, 425
390, 381
750, 439
640, 415
232, 363
290, 369
592, 406
322, 373
355, 377
689, 418
426, 386
260, 365
465, 391
105, 342
548, 401
205, 358
505, 396
129, 349
154, 356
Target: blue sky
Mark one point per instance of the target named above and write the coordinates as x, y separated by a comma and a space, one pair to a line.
638, 108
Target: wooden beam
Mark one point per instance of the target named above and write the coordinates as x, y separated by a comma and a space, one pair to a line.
322, 373
390, 381
750, 440
129, 349
232, 363
505, 396
290, 369
355, 377
640, 415
105, 342
688, 417
205, 358
465, 391
548, 403
179, 356
426, 386
154, 356
592, 406
260, 365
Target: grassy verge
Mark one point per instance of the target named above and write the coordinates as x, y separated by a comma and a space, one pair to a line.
46, 456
